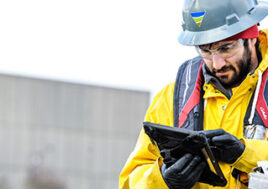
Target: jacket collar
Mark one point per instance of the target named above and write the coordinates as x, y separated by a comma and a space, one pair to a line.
210, 79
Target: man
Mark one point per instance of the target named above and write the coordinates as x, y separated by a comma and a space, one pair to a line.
224, 92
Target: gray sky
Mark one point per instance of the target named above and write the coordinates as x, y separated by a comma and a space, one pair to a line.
121, 43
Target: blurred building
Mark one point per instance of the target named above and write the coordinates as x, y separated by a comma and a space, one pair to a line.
59, 135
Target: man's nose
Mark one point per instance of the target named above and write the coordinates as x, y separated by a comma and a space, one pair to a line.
218, 62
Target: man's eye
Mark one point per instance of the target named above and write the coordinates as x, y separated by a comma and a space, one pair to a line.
205, 51
223, 49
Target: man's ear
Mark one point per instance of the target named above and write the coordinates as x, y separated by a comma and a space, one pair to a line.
252, 42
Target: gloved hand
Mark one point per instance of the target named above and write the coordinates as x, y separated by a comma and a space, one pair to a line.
184, 173
225, 147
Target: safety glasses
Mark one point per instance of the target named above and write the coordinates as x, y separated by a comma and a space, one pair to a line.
226, 50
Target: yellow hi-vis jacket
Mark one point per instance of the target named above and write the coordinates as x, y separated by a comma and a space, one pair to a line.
142, 169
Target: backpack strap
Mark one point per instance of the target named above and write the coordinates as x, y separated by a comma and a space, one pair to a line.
261, 111
262, 101
188, 95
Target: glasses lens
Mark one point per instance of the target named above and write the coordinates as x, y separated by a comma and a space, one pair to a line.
226, 50
203, 52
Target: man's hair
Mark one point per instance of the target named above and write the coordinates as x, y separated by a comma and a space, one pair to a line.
257, 46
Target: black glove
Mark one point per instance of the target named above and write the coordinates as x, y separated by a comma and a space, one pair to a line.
225, 147
184, 173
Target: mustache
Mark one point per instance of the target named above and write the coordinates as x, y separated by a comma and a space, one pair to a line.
223, 69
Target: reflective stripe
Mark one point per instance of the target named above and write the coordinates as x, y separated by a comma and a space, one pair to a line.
188, 78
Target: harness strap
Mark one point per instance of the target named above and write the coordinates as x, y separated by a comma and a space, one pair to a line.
262, 101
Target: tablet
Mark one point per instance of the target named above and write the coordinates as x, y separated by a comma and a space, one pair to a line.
175, 142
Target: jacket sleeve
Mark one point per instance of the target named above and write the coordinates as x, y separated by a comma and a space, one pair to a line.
255, 150
142, 169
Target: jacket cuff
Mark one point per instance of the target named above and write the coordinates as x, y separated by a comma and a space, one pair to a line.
247, 161
157, 174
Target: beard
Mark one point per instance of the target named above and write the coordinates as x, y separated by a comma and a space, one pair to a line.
240, 74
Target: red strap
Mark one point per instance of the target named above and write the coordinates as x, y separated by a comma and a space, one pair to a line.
261, 102
193, 100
